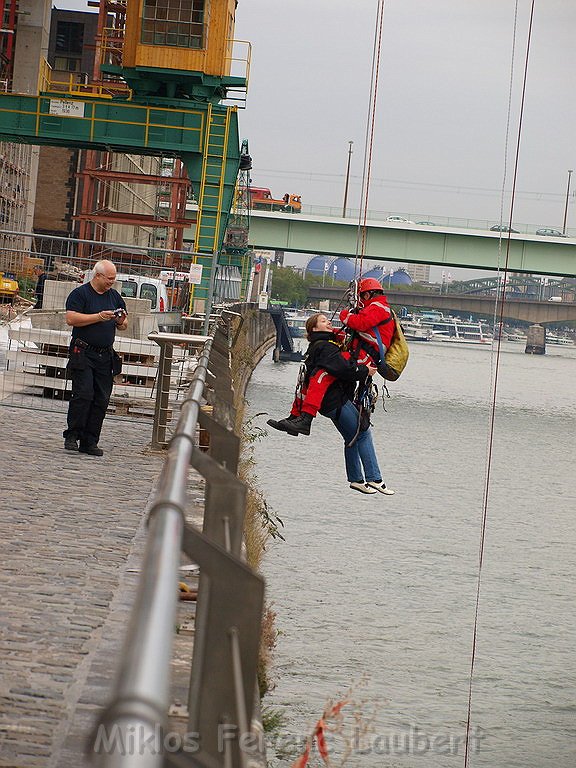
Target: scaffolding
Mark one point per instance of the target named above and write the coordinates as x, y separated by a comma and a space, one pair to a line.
15, 159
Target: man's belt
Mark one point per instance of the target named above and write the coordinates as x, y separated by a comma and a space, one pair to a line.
84, 345
99, 350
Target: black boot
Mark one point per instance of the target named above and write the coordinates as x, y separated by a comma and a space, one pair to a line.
283, 425
299, 425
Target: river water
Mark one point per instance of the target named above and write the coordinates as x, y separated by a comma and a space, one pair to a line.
377, 593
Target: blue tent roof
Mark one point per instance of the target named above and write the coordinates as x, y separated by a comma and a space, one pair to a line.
377, 273
342, 269
317, 264
400, 277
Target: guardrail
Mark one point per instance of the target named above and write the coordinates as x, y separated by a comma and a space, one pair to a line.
131, 730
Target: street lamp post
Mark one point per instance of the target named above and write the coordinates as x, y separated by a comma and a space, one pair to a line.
350, 143
566, 206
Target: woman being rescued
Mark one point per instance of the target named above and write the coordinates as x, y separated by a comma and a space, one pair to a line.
324, 354
372, 313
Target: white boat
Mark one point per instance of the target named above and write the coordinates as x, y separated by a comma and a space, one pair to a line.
414, 330
456, 331
519, 338
552, 338
296, 319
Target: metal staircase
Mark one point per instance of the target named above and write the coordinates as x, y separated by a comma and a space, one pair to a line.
212, 180
284, 347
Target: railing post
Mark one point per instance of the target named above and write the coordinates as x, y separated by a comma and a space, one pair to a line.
162, 395
166, 343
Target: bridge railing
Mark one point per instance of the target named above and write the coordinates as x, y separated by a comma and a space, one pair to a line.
132, 730
423, 219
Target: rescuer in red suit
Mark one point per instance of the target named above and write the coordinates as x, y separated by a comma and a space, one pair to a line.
372, 310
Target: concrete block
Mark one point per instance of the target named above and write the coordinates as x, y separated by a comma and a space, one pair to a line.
56, 292
54, 320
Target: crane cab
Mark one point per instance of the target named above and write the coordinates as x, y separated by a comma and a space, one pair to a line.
175, 47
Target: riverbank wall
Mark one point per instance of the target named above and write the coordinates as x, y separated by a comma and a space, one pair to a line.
254, 335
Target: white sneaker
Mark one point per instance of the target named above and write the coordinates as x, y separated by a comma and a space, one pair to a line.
362, 488
381, 488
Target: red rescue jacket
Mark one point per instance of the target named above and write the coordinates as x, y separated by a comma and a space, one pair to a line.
376, 312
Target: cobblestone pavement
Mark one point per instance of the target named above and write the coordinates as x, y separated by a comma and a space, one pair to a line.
72, 535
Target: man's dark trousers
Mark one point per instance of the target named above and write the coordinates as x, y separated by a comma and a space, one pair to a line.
91, 390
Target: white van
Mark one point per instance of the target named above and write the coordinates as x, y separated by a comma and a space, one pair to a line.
143, 287
140, 287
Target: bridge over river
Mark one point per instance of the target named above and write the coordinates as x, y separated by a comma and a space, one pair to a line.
414, 243
527, 310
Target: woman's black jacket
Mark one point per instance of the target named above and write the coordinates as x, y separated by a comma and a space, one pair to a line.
325, 353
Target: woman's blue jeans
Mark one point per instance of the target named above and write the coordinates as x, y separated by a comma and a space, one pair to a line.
361, 462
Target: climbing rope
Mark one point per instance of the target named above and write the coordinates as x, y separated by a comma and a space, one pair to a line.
501, 299
369, 141
367, 162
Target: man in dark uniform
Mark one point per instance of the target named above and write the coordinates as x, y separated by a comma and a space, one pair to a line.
39, 289
94, 310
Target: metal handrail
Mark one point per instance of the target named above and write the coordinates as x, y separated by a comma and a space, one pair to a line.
47, 83
229, 608
140, 699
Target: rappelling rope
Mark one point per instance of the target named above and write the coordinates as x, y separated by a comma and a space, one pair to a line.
368, 146
502, 283
500, 302
369, 141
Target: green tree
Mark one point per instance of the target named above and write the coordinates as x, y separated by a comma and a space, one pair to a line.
289, 285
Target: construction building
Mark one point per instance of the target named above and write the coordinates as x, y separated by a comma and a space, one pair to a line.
61, 191
171, 97
104, 196
19, 66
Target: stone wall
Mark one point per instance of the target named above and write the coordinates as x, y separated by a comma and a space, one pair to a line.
251, 339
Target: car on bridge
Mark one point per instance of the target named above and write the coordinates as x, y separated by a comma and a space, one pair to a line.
399, 220
503, 228
550, 233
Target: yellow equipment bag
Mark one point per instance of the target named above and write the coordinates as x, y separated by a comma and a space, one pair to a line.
396, 355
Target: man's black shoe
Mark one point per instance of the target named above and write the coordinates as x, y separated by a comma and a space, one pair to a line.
91, 450
71, 444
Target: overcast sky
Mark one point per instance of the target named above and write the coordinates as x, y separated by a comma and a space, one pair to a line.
440, 131
440, 136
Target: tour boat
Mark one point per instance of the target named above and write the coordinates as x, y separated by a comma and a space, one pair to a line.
552, 338
519, 338
414, 330
457, 331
